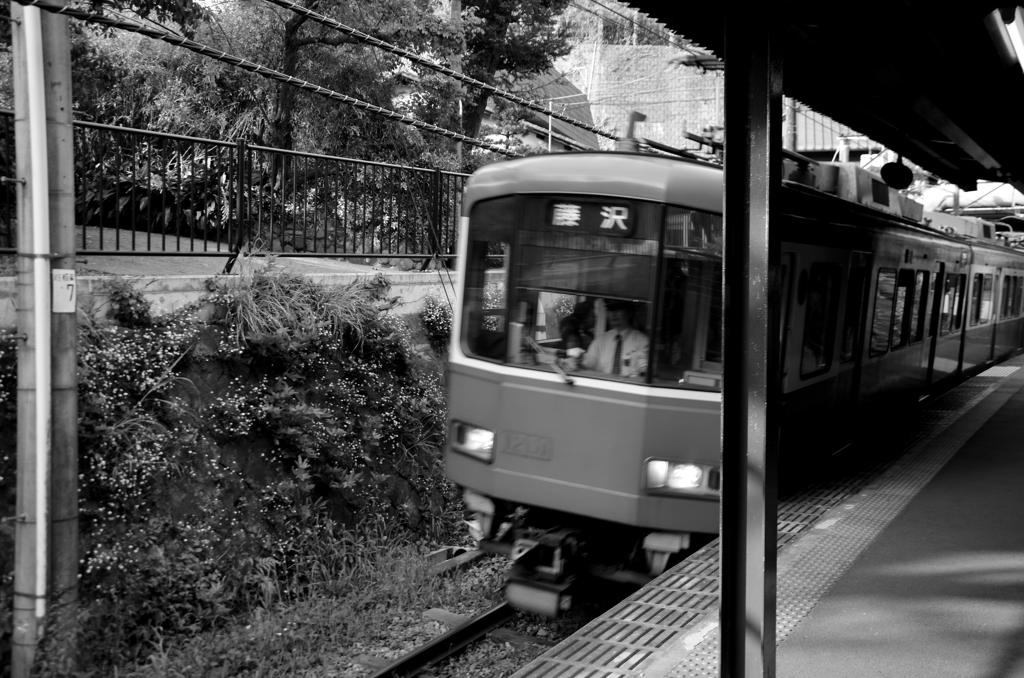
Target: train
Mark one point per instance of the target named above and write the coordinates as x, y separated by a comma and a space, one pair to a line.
585, 366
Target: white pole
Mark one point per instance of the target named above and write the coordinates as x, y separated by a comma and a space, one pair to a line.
551, 104
39, 192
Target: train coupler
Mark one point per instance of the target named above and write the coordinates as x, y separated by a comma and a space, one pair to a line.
524, 591
550, 555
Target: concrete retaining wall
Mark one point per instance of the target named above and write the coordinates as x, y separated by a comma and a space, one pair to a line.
168, 293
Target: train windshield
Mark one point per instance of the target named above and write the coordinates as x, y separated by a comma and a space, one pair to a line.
605, 288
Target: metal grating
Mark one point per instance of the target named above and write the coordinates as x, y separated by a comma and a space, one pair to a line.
669, 628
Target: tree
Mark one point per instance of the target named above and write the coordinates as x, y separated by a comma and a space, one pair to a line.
508, 39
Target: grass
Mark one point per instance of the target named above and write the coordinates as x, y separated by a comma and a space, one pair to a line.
270, 303
366, 597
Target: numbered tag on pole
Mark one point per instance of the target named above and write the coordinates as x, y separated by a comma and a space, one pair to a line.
65, 290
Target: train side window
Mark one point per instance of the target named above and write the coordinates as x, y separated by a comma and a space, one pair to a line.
976, 291
948, 307
938, 299
1018, 294
920, 309
903, 302
881, 323
851, 316
820, 317
1009, 294
1004, 308
986, 299
959, 297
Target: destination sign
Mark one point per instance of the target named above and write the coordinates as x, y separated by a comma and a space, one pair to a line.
612, 218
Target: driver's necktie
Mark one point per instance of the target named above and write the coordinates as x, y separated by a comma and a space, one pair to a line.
617, 360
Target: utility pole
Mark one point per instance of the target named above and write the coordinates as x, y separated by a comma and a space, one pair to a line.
46, 535
456, 19
790, 141
64, 556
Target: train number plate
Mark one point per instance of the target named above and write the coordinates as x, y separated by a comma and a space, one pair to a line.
525, 445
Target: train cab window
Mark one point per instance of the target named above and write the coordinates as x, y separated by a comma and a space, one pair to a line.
584, 267
687, 348
920, 309
821, 312
489, 247
1018, 295
881, 323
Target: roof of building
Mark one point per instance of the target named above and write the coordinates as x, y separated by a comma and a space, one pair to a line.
551, 86
893, 70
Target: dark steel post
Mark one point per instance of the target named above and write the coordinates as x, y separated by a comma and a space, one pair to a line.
240, 238
435, 208
753, 104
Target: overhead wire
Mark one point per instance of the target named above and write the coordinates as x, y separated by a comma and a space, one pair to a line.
245, 64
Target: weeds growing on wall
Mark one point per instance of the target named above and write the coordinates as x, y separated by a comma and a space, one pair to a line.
232, 463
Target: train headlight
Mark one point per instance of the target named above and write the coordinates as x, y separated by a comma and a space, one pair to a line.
662, 476
473, 441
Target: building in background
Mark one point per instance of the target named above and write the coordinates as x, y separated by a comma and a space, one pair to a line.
554, 91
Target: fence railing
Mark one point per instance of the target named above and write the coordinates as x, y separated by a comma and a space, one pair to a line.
140, 192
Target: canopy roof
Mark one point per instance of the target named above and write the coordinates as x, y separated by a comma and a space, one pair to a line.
923, 78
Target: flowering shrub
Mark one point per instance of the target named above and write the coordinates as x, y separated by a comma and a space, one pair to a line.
212, 456
436, 318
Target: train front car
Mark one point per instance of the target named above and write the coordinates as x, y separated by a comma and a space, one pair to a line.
586, 363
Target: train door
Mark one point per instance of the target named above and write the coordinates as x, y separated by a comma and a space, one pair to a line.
850, 348
812, 405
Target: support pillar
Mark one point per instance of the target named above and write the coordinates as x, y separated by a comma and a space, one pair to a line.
753, 114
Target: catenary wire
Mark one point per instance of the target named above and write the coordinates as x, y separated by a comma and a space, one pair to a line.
245, 64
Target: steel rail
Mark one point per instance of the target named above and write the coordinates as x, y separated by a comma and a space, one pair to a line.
448, 643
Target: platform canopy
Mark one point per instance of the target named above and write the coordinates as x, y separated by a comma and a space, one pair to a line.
925, 79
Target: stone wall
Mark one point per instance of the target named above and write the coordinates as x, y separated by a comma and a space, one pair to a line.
167, 293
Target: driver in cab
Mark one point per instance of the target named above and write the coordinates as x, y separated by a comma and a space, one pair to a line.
622, 350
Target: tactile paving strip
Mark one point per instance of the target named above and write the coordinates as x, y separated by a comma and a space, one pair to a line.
669, 628
999, 371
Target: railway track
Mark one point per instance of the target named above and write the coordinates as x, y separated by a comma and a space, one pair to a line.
448, 643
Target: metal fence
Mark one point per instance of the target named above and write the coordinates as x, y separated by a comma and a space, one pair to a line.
139, 192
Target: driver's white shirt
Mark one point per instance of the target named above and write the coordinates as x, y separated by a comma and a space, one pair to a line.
601, 354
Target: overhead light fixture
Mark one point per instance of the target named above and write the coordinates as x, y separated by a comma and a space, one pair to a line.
1006, 26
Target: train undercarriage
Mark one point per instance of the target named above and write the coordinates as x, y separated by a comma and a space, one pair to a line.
558, 555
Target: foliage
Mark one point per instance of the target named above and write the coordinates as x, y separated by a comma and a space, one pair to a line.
436, 318
8, 468
127, 305
232, 465
514, 38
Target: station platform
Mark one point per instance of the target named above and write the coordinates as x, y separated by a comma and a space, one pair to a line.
911, 567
